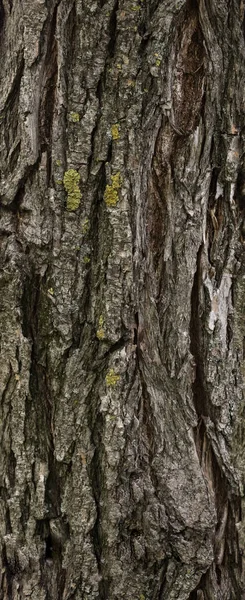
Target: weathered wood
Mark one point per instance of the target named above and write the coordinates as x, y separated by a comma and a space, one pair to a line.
122, 281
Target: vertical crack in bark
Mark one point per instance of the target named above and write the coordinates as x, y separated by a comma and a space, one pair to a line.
46, 109
99, 96
2, 18
199, 392
189, 71
112, 31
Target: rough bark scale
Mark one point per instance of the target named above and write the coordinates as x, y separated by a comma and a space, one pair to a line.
122, 322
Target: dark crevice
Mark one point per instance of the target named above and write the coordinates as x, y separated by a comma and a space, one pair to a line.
117, 345
52, 488
199, 392
243, 21
29, 303
113, 30
163, 579
240, 191
136, 327
49, 548
93, 137
99, 93
15, 206
13, 157
2, 16
46, 109
96, 210
218, 575
7, 521
43, 531
100, 363
11, 469
213, 186
109, 154
8, 569
99, 90
54, 535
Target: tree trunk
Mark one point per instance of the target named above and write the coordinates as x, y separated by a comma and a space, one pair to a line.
122, 274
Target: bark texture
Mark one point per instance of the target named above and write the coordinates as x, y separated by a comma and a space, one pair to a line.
122, 278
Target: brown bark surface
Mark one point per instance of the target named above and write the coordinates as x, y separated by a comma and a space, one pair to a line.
122, 293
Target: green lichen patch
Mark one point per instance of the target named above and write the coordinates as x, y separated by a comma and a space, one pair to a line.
112, 378
158, 59
85, 225
115, 132
71, 183
111, 191
86, 260
100, 333
74, 117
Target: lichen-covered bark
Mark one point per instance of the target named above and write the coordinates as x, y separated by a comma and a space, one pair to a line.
122, 279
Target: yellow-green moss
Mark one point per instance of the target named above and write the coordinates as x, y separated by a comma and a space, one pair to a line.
58, 181
71, 183
85, 225
112, 378
100, 333
158, 59
111, 191
74, 117
86, 260
115, 131
58, 163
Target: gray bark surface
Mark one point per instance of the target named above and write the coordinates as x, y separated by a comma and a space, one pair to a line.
122, 287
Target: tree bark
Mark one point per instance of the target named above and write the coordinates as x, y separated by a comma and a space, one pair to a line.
122, 277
